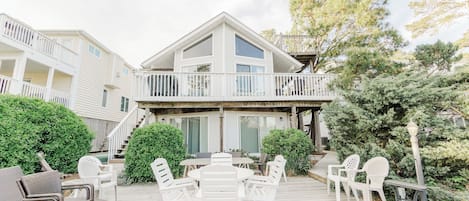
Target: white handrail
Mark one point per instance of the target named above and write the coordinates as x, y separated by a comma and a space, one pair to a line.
118, 135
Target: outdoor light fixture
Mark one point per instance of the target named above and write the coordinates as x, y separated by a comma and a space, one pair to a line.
413, 129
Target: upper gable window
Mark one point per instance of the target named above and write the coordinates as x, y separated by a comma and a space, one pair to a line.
199, 49
245, 48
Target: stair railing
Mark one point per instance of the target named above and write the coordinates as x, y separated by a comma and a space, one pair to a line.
123, 130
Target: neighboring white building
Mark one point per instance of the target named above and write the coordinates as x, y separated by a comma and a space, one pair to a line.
226, 87
68, 67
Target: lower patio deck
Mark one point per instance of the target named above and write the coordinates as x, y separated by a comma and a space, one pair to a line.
297, 188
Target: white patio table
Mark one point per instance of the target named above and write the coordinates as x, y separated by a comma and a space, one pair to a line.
243, 174
191, 164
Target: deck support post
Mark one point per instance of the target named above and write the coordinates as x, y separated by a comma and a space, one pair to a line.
147, 114
294, 118
317, 132
221, 128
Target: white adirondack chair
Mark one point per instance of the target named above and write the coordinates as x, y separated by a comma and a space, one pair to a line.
171, 189
221, 159
377, 169
334, 173
278, 159
219, 183
264, 188
91, 170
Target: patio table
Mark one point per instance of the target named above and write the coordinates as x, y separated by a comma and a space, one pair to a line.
191, 164
242, 174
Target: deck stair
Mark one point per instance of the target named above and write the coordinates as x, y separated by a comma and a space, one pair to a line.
118, 139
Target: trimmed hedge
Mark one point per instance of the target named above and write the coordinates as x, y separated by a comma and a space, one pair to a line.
28, 126
294, 145
149, 143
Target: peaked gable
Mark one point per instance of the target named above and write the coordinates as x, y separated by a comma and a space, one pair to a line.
198, 34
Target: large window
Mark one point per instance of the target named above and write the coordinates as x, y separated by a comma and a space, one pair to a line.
252, 130
248, 83
199, 49
195, 130
195, 84
245, 48
124, 104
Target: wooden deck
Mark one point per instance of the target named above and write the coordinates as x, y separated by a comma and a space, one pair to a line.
296, 189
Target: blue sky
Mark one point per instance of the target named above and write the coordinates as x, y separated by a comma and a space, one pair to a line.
137, 29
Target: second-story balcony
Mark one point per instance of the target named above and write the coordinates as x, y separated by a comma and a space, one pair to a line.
18, 35
203, 87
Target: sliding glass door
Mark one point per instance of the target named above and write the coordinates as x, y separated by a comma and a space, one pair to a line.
195, 130
248, 83
252, 130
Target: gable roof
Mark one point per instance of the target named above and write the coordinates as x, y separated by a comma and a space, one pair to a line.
211, 24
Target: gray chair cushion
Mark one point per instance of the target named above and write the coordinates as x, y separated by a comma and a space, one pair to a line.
8, 188
42, 182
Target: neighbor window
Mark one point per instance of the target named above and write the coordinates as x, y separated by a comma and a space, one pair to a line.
104, 102
125, 71
124, 104
199, 49
94, 50
247, 49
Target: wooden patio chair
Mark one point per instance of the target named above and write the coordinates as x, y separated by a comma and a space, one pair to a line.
278, 159
171, 189
265, 187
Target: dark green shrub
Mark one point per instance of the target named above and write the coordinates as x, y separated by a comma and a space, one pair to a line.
293, 144
28, 126
371, 121
152, 142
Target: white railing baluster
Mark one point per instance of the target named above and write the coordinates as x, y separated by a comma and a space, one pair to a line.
186, 86
123, 130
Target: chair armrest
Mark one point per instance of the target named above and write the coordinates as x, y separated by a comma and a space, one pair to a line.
88, 187
257, 183
106, 168
45, 196
259, 178
330, 167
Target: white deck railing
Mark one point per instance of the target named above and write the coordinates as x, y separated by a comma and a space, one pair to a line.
123, 130
296, 44
11, 86
27, 36
164, 86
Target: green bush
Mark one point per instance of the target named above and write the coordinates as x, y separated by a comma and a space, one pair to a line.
294, 145
28, 126
152, 142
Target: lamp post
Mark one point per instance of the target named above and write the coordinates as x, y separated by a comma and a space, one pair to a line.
412, 128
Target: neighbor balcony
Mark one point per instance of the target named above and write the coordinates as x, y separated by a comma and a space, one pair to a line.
15, 35
9, 85
203, 87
